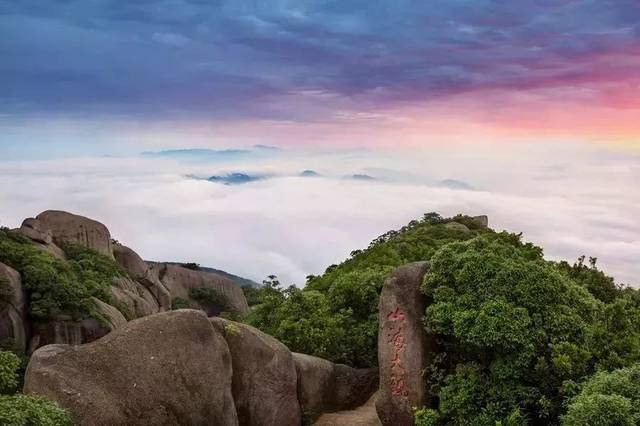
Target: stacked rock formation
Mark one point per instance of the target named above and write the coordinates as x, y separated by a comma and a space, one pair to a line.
147, 289
181, 367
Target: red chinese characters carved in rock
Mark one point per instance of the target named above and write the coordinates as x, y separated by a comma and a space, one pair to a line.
396, 338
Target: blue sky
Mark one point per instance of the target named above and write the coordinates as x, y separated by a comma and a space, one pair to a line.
70, 68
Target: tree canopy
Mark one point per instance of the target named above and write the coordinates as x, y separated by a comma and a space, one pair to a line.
520, 335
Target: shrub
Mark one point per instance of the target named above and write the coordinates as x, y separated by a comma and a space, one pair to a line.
10, 365
425, 417
251, 294
209, 298
180, 303
28, 410
232, 329
55, 285
191, 265
607, 398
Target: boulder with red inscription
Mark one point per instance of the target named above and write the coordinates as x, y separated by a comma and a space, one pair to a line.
404, 347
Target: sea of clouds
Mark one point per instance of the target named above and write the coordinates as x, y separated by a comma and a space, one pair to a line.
572, 199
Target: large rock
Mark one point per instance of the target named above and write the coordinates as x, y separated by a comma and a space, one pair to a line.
13, 323
70, 228
133, 297
36, 231
41, 236
171, 368
325, 387
142, 273
264, 376
404, 348
482, 221
113, 317
457, 226
179, 281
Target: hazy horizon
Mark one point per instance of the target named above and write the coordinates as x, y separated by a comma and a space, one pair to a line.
582, 202
526, 111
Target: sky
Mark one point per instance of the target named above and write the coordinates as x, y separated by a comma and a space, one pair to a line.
96, 76
533, 106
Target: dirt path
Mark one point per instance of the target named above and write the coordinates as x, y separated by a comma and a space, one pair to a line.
364, 415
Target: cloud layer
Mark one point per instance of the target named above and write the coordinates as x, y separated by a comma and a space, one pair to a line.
572, 201
319, 61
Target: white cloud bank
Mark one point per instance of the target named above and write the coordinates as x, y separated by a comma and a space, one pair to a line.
573, 200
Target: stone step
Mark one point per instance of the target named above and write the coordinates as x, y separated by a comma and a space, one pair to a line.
364, 415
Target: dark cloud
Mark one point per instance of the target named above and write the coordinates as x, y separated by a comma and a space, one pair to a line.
233, 58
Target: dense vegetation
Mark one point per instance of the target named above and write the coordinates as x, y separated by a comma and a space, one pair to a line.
520, 335
55, 285
608, 398
210, 300
335, 316
24, 410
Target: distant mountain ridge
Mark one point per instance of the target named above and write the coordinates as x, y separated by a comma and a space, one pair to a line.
191, 152
234, 178
241, 281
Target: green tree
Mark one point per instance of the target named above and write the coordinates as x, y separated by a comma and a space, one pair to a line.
336, 314
607, 399
56, 285
517, 331
9, 367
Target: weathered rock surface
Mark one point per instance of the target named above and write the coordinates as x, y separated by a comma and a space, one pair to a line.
33, 229
138, 299
404, 348
172, 368
13, 323
41, 236
315, 379
456, 226
140, 271
113, 316
327, 387
264, 376
353, 386
179, 281
70, 228
482, 221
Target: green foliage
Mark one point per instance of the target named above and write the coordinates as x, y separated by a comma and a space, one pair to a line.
209, 298
23, 410
180, 303
191, 265
517, 331
595, 281
607, 399
58, 286
10, 365
426, 417
6, 293
28, 410
232, 329
335, 316
251, 293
